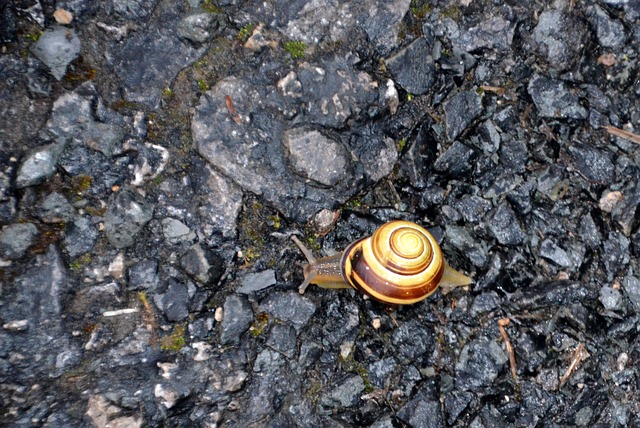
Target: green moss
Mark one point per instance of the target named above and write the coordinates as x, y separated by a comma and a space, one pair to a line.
261, 322
175, 341
34, 36
167, 93
401, 144
246, 32
452, 12
80, 184
295, 48
201, 63
80, 262
210, 7
203, 85
419, 9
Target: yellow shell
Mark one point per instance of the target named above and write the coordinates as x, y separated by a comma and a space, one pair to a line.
401, 263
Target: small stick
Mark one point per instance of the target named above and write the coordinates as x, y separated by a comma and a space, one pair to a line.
505, 338
579, 355
495, 89
232, 109
623, 134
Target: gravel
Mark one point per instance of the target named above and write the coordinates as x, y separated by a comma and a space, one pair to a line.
156, 156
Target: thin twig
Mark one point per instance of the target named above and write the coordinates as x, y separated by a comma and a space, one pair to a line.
579, 355
505, 338
623, 134
232, 109
495, 89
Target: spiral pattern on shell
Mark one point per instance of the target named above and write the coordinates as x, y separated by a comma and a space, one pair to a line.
401, 263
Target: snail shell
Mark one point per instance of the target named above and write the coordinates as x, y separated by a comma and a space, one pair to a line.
401, 263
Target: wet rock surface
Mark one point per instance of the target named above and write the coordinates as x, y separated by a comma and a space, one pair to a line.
156, 157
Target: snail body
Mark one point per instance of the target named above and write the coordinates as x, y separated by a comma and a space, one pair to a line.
401, 264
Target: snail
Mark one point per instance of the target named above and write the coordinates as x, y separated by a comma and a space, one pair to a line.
400, 264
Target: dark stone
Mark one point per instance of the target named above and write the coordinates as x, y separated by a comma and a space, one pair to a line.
455, 403
291, 307
456, 160
237, 318
16, 239
257, 281
80, 236
493, 33
505, 227
8, 24
175, 301
345, 394
203, 265
479, 364
39, 164
560, 36
554, 99
472, 208
143, 275
127, 213
610, 32
422, 412
550, 250
55, 208
514, 155
413, 67
283, 339
594, 164
460, 112
412, 340
56, 48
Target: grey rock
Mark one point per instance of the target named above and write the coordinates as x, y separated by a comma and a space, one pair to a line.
494, 33
413, 67
412, 340
550, 250
315, 156
631, 287
257, 281
611, 298
80, 236
238, 316
127, 213
472, 208
201, 27
39, 165
8, 24
473, 249
514, 155
141, 83
56, 48
175, 231
283, 339
485, 302
456, 160
560, 36
380, 371
291, 307
460, 112
143, 275
594, 164
134, 9
616, 247
610, 32
455, 403
175, 301
55, 208
310, 352
479, 364
589, 232
384, 22
150, 161
203, 265
16, 239
554, 99
422, 412
625, 212
36, 296
346, 394
73, 117
102, 172
505, 227
377, 154
220, 204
